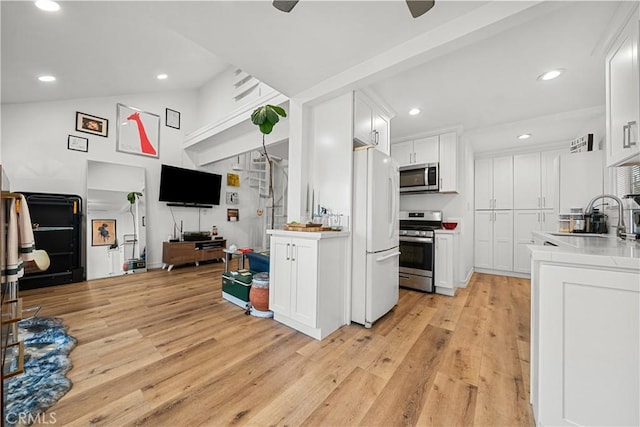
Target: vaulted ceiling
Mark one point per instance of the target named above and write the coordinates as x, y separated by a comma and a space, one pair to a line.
105, 48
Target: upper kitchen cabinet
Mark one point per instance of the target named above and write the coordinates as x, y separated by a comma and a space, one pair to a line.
494, 183
371, 125
418, 151
448, 163
623, 96
535, 180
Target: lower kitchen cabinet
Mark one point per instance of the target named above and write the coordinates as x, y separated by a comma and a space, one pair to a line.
446, 248
524, 222
307, 280
584, 342
493, 243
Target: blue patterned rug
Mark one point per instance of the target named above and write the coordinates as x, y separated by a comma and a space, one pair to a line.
46, 362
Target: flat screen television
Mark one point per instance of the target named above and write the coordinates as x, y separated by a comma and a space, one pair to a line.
189, 187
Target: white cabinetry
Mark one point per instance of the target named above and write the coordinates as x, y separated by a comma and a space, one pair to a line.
307, 281
584, 345
448, 163
493, 243
623, 96
446, 249
493, 246
535, 180
418, 151
403, 153
494, 183
524, 222
370, 126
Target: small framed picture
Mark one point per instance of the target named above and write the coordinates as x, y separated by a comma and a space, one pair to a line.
232, 198
233, 215
103, 232
78, 143
172, 119
233, 179
92, 124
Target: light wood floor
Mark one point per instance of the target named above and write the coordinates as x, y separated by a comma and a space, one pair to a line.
164, 349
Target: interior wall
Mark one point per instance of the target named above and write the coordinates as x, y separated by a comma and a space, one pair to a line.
216, 99
248, 231
331, 158
36, 158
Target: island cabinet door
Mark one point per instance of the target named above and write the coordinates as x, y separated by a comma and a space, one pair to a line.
304, 281
280, 276
588, 360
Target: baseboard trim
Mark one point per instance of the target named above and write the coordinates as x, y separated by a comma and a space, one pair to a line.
502, 273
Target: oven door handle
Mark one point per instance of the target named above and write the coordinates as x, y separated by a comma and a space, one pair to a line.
395, 254
416, 239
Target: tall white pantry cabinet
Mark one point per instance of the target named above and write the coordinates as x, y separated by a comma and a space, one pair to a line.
493, 243
535, 204
514, 196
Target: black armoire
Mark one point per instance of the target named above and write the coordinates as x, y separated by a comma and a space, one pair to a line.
57, 228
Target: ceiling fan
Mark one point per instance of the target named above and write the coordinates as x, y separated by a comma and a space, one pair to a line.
416, 7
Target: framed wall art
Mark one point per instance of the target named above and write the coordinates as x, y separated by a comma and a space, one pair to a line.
232, 198
92, 124
78, 143
233, 179
172, 119
138, 132
103, 232
233, 215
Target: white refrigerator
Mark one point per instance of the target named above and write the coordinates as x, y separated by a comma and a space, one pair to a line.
376, 192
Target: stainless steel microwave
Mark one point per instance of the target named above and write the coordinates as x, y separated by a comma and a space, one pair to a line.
419, 178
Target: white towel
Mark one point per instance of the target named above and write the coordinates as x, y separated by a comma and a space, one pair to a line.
25, 227
20, 243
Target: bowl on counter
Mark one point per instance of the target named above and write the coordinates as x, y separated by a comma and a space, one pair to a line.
449, 225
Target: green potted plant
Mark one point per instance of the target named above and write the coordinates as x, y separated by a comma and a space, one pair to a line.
132, 197
266, 117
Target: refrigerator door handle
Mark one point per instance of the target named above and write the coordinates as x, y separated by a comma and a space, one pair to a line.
392, 206
394, 254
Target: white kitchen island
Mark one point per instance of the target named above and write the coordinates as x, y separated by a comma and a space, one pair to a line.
308, 286
585, 330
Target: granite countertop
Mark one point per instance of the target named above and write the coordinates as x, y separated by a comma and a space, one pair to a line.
589, 250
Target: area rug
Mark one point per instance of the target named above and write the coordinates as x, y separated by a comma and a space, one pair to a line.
46, 362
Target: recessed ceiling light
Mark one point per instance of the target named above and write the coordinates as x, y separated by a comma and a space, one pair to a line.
414, 111
550, 75
47, 79
48, 5
524, 136
163, 76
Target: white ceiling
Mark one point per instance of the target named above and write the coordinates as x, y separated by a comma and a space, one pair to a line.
100, 48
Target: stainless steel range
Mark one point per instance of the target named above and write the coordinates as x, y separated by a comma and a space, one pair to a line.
417, 249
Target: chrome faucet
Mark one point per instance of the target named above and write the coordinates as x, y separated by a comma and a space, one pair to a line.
620, 228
